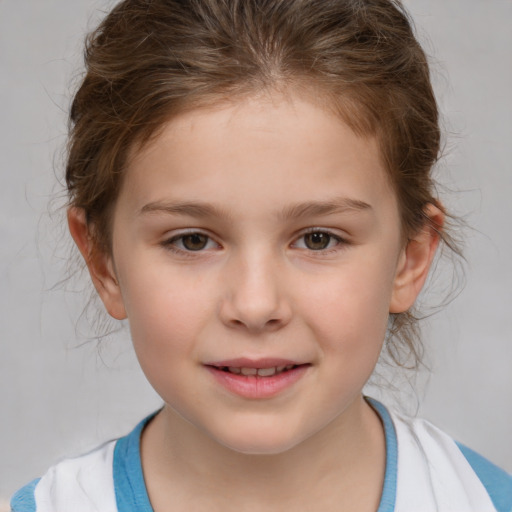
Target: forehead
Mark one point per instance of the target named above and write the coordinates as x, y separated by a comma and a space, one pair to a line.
290, 147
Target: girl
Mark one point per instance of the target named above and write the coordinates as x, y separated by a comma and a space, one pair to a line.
249, 185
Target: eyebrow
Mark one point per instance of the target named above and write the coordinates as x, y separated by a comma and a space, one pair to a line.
192, 209
296, 211
322, 208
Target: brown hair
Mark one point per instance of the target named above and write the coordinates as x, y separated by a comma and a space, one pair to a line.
150, 59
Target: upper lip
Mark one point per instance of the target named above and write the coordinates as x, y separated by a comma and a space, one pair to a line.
244, 362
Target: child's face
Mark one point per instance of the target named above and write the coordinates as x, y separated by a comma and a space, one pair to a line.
258, 235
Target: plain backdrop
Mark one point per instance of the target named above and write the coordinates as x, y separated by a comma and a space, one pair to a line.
62, 394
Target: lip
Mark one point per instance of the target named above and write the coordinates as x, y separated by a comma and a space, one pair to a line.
256, 387
246, 362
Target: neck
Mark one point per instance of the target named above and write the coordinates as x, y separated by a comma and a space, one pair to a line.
345, 456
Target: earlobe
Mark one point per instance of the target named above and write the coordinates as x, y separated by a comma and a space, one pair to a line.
99, 264
415, 261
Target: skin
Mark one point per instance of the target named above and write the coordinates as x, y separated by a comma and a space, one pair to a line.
261, 173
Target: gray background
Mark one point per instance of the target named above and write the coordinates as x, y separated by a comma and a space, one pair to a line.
60, 394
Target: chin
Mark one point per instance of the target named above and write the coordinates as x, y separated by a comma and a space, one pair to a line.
260, 441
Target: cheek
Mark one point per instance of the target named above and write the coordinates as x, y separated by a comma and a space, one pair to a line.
165, 312
350, 311
156, 293
163, 326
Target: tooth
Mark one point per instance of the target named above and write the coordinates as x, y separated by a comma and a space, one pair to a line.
280, 369
234, 369
266, 372
248, 371
289, 367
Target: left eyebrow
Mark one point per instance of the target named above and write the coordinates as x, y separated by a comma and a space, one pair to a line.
322, 208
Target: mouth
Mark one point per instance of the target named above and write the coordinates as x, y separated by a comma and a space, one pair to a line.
257, 372
260, 379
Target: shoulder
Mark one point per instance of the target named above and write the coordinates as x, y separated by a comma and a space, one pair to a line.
452, 473
108, 479
80, 484
497, 482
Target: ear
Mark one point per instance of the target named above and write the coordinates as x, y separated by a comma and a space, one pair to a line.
99, 263
415, 260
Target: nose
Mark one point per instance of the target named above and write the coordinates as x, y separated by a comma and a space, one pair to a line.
255, 296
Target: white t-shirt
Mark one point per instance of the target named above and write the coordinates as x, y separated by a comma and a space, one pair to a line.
426, 471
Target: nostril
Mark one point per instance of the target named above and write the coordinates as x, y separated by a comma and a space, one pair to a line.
271, 324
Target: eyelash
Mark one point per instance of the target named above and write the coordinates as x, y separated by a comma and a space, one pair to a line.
340, 241
171, 243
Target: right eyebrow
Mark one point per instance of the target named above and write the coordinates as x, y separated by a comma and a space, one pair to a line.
198, 210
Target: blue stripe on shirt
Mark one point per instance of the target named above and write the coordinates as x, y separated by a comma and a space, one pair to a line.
497, 482
388, 497
24, 499
130, 489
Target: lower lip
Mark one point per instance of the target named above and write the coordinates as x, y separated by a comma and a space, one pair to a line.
256, 387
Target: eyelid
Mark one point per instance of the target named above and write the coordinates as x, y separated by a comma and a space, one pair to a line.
340, 239
169, 241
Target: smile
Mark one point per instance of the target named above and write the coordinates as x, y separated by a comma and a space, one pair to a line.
257, 379
260, 372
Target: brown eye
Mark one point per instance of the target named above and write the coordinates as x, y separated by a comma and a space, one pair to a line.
317, 241
194, 242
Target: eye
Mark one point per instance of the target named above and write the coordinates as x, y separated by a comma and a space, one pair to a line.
191, 242
194, 242
318, 241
